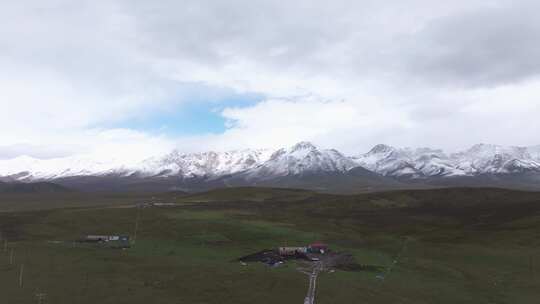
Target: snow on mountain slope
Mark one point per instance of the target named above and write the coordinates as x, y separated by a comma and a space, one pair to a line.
207, 164
301, 158
25, 167
534, 152
482, 158
426, 162
413, 163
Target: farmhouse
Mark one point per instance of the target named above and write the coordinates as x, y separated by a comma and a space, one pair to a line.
317, 248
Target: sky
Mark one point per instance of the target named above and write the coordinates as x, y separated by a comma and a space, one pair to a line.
115, 78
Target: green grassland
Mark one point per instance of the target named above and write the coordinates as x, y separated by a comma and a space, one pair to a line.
434, 246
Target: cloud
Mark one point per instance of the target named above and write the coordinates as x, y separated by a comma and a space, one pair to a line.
482, 47
345, 74
453, 120
43, 152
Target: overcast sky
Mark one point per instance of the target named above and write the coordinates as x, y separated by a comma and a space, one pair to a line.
136, 78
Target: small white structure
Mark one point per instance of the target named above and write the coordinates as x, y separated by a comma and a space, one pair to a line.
291, 251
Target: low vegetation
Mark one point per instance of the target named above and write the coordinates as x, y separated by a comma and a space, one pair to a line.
429, 246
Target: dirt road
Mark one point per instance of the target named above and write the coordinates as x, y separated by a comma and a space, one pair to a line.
310, 297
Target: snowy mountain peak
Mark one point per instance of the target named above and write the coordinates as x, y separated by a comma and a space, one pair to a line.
381, 148
298, 151
303, 146
301, 158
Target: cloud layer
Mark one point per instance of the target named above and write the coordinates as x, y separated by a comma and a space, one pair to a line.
345, 74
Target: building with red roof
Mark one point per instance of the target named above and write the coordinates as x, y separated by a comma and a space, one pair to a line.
317, 247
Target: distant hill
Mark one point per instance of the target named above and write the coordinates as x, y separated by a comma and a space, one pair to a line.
38, 187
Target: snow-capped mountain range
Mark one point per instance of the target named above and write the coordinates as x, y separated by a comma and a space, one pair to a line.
426, 162
300, 159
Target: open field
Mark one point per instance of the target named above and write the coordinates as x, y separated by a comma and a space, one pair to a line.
434, 246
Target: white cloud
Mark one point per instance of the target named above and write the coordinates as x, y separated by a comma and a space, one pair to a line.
345, 74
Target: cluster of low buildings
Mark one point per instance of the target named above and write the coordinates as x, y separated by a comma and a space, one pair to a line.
119, 241
278, 256
317, 248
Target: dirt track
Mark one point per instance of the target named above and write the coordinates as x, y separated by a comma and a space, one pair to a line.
310, 297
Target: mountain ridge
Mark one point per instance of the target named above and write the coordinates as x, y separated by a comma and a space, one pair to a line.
303, 164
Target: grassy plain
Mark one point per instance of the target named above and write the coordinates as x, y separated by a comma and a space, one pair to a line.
436, 246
